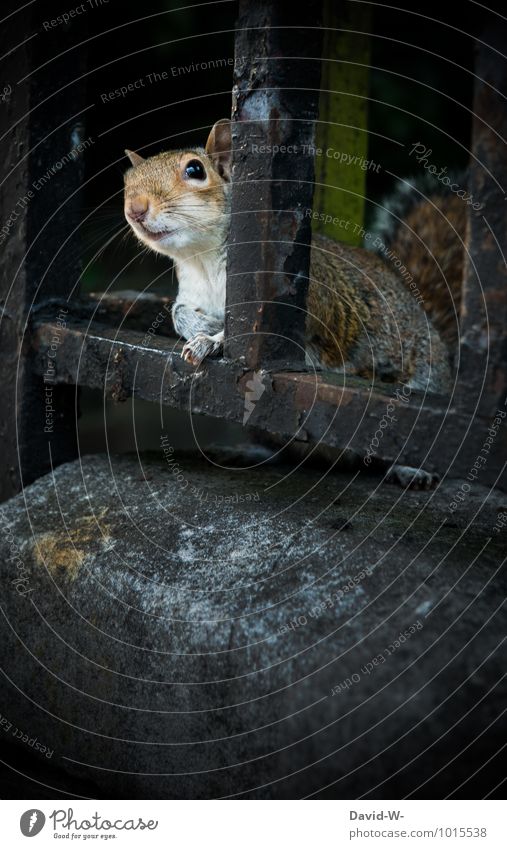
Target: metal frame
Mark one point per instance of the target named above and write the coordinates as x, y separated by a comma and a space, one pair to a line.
275, 100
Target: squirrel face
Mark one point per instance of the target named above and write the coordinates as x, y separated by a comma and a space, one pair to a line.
177, 202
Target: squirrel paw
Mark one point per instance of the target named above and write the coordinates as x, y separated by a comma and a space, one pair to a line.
201, 346
411, 478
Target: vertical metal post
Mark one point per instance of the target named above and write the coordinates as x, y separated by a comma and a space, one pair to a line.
275, 104
483, 352
40, 170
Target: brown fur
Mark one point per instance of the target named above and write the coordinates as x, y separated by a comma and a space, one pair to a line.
160, 180
430, 245
360, 315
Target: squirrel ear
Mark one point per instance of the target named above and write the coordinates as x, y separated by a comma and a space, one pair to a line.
218, 147
134, 157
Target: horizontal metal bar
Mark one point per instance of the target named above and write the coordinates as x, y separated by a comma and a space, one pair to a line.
125, 309
328, 408
134, 310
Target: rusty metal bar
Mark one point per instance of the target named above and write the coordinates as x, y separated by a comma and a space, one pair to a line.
124, 309
41, 167
483, 353
309, 408
275, 104
128, 309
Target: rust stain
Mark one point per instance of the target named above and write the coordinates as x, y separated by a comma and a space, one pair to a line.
62, 553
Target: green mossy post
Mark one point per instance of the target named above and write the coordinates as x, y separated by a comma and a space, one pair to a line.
343, 115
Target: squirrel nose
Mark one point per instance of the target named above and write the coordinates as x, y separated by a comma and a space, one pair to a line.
138, 207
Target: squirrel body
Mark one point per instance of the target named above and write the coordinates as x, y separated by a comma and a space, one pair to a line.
363, 319
362, 316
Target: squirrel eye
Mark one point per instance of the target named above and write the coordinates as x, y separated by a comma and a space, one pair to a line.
195, 170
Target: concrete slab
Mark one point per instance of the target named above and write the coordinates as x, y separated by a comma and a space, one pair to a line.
175, 629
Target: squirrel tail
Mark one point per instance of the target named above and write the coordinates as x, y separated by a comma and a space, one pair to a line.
420, 230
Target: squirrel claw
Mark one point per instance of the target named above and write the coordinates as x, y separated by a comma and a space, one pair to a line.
409, 477
201, 346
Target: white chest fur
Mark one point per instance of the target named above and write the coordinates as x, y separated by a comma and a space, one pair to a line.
201, 280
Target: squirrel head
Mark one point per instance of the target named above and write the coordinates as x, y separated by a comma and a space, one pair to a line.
177, 202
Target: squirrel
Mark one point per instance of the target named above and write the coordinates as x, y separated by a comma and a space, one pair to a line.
388, 310
365, 313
